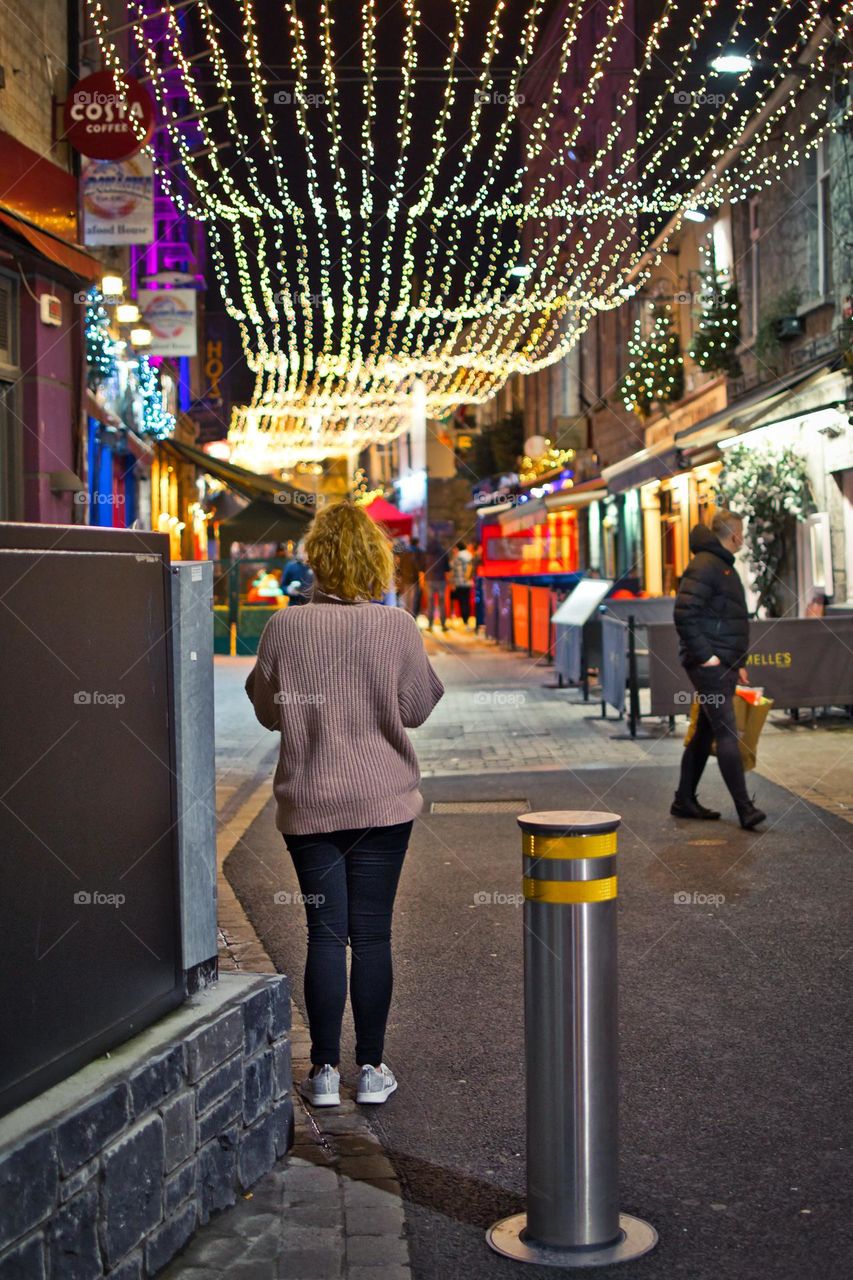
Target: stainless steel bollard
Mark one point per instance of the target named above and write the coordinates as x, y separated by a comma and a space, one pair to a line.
571, 1040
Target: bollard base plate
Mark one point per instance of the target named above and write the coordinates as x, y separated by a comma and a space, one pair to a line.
637, 1238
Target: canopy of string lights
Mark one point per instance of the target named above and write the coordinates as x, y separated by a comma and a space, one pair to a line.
439, 195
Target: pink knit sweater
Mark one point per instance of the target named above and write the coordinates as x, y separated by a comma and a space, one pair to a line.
343, 682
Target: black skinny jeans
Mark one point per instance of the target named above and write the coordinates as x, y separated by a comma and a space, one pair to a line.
462, 596
716, 688
349, 881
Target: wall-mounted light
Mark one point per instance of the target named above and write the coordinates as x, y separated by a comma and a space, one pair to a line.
695, 215
140, 337
127, 313
112, 286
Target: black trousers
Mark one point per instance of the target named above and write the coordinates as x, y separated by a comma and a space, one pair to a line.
462, 596
348, 881
716, 688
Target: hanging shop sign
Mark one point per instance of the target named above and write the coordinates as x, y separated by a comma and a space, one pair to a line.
170, 314
211, 411
799, 662
108, 118
118, 201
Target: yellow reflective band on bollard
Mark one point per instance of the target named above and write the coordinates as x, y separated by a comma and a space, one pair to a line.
569, 891
568, 846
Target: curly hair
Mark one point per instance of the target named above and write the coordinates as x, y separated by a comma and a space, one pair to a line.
351, 555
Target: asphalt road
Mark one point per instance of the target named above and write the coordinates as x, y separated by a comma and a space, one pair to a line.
735, 1026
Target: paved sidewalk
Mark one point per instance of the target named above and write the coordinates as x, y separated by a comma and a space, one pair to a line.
332, 1208
502, 712
733, 950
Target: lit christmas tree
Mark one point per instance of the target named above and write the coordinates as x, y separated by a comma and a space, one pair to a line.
655, 372
155, 420
714, 348
100, 349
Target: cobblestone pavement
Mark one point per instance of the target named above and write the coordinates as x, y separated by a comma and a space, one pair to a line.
502, 712
333, 1207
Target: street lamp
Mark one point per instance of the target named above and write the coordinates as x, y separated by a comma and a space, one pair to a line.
127, 313
732, 63
140, 337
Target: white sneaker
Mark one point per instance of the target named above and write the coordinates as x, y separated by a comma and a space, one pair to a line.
322, 1089
375, 1085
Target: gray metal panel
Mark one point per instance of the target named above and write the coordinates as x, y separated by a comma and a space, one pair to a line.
88, 857
192, 648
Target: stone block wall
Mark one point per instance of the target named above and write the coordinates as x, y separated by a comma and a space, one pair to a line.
117, 1186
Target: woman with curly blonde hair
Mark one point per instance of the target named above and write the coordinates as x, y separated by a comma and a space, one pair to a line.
342, 678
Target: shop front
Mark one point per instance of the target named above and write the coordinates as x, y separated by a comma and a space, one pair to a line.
42, 271
808, 415
657, 495
530, 541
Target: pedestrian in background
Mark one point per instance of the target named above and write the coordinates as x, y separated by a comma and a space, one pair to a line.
342, 679
478, 586
713, 630
461, 573
436, 572
410, 571
297, 579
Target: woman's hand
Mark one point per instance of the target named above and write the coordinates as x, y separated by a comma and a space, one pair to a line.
743, 675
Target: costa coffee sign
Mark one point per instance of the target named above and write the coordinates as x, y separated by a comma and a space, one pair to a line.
108, 117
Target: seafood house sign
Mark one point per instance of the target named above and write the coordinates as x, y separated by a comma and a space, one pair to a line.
108, 116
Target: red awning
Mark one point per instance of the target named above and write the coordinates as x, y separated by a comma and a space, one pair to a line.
69, 256
385, 513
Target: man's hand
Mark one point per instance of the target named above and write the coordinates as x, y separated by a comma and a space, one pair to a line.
743, 675
712, 662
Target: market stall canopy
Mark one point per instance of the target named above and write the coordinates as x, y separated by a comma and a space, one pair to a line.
579, 495
524, 515
58, 251
655, 463
261, 521
385, 513
764, 401
298, 502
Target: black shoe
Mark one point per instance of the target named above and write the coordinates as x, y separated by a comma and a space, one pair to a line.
691, 809
750, 816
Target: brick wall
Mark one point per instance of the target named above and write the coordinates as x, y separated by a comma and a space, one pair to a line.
33, 54
119, 1184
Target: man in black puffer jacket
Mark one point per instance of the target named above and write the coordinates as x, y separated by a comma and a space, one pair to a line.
713, 629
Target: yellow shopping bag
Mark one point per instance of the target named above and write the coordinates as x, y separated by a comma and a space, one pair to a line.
749, 718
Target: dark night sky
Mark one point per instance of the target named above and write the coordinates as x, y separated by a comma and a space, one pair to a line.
276, 54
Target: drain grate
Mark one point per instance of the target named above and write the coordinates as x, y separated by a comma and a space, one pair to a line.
479, 806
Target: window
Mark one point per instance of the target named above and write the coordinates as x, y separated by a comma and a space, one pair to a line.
8, 312
820, 238
753, 266
10, 424
824, 222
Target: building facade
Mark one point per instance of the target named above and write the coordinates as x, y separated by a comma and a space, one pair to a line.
42, 272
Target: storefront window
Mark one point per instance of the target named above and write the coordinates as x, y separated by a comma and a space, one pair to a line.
670, 518
610, 540
705, 482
